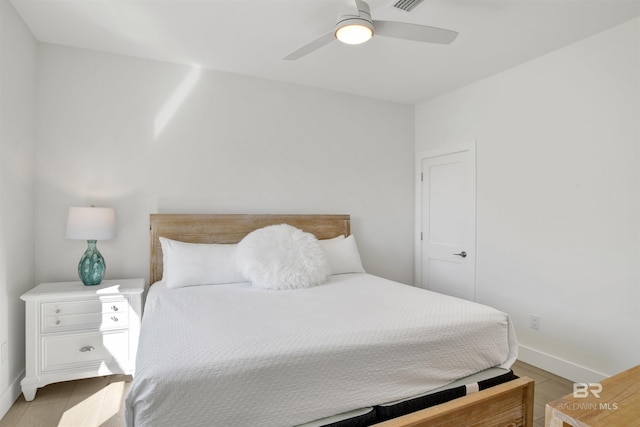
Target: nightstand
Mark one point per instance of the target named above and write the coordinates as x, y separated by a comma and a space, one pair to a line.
75, 331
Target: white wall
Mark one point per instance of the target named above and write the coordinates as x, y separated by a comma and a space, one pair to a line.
18, 58
558, 176
557, 197
234, 145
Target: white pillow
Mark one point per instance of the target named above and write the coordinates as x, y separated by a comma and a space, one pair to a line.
188, 264
282, 257
343, 255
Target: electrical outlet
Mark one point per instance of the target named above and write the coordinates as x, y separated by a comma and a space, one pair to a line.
534, 321
3, 352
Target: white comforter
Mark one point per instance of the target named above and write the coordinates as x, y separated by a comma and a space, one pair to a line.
232, 355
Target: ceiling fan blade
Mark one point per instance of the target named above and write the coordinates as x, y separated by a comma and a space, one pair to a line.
419, 33
311, 46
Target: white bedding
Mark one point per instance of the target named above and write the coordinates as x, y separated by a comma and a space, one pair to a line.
233, 355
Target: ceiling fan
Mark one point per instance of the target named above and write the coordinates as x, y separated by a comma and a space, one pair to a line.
358, 28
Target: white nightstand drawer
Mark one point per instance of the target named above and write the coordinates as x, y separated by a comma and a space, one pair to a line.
84, 349
107, 305
84, 321
87, 314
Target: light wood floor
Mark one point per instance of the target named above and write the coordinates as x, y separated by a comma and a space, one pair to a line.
548, 387
93, 402
98, 402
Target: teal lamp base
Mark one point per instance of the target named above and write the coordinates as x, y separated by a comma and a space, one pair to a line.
92, 265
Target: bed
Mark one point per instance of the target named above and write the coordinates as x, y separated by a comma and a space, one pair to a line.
355, 350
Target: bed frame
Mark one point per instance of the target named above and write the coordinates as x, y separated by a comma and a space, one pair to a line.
505, 405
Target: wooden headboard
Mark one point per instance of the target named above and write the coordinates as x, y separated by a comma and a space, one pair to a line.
224, 228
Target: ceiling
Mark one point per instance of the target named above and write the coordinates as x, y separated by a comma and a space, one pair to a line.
251, 37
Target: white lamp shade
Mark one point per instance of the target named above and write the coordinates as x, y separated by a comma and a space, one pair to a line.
91, 224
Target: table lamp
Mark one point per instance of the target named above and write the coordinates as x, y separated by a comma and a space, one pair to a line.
91, 224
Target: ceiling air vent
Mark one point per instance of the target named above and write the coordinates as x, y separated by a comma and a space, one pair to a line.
406, 5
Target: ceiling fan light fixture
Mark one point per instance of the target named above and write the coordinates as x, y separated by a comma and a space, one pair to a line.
356, 32
357, 28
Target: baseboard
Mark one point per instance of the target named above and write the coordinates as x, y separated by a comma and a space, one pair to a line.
560, 367
10, 394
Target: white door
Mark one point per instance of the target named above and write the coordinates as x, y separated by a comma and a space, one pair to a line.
448, 222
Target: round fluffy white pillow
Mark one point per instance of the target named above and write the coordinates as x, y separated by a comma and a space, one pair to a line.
282, 257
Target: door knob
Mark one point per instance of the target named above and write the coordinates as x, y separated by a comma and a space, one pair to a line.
462, 254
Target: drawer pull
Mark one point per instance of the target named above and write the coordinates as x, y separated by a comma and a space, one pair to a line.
114, 308
87, 348
114, 318
57, 322
57, 310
